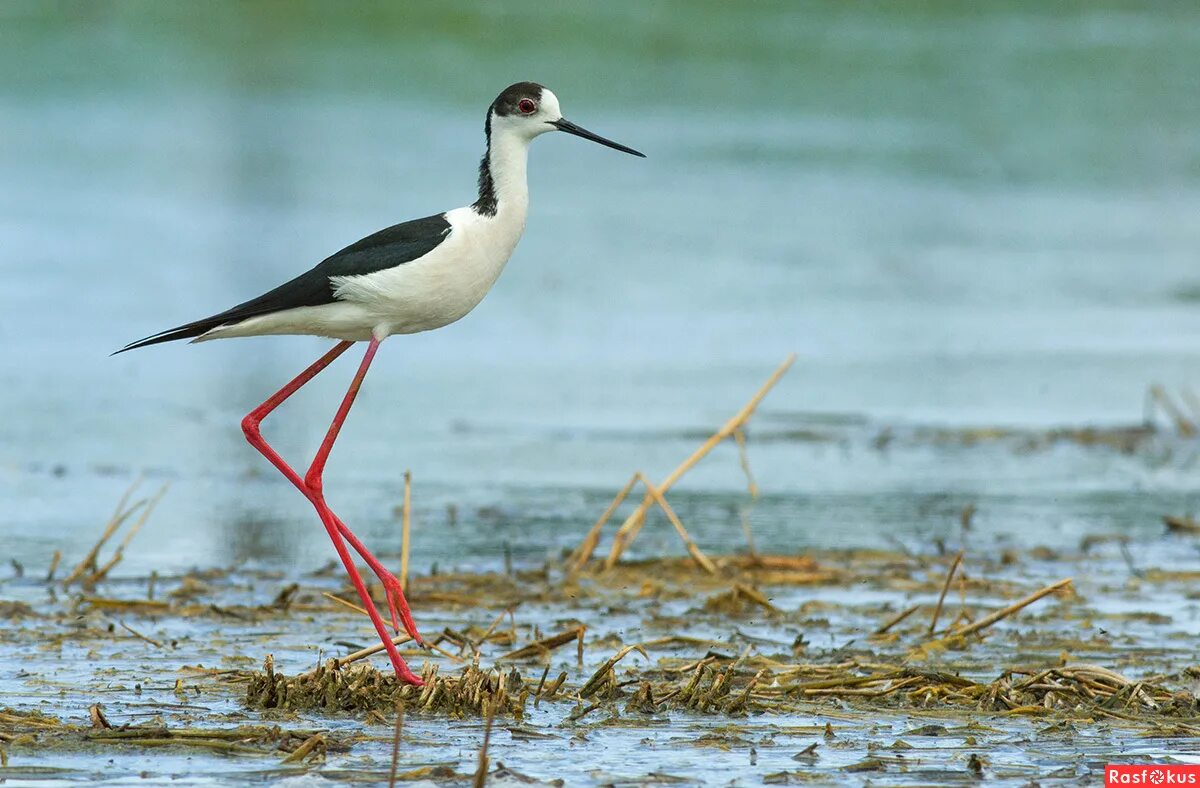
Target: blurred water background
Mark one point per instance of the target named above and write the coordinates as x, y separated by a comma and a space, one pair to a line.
956, 214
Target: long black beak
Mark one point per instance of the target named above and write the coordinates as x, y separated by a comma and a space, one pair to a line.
562, 124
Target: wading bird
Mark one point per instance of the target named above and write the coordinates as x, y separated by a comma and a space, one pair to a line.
416, 276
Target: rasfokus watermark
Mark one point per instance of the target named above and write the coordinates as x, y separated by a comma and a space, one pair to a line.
1152, 774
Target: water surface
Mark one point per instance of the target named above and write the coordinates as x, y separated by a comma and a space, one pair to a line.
955, 216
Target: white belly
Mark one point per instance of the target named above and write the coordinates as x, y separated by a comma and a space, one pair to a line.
444, 285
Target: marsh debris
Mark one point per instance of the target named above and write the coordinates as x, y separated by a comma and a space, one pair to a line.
336, 688
29, 729
673, 654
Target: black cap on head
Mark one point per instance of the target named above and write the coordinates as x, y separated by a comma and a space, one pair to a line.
508, 101
523, 99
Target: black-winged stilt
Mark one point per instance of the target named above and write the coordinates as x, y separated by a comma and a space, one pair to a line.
415, 276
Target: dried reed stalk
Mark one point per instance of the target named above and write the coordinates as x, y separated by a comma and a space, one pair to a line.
405, 527
1003, 613
896, 619
57, 557
588, 546
396, 745
739, 437
119, 515
545, 645
481, 771
937, 611
1185, 426
695, 552
140, 636
314, 743
633, 523
398, 640
119, 554
604, 670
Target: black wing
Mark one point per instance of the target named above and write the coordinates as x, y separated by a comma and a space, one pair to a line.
398, 244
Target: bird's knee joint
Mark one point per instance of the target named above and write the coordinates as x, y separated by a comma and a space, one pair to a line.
250, 428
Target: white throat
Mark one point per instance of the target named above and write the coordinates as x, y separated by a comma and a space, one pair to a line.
503, 188
508, 159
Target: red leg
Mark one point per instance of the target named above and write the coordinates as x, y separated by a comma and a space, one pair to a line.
335, 527
393, 591
250, 424
397, 603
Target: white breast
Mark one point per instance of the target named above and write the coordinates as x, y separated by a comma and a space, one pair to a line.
442, 286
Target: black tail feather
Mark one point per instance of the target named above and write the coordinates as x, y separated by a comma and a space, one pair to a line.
186, 331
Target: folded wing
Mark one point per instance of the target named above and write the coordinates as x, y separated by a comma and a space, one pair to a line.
388, 248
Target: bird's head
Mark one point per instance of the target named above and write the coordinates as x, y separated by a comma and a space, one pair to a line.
527, 110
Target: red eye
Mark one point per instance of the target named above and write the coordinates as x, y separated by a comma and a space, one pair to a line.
526, 106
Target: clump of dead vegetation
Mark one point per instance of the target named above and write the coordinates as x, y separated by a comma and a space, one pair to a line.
334, 687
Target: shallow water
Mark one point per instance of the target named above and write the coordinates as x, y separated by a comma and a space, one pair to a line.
1140, 621
955, 217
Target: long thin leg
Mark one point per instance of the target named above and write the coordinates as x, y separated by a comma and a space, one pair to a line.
312, 479
314, 483
251, 424
393, 591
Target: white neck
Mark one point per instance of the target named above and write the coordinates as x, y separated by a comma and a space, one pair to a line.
508, 161
503, 187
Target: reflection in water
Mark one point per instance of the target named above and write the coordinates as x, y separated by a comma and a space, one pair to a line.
266, 541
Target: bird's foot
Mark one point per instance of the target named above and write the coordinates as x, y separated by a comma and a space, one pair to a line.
407, 676
398, 606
